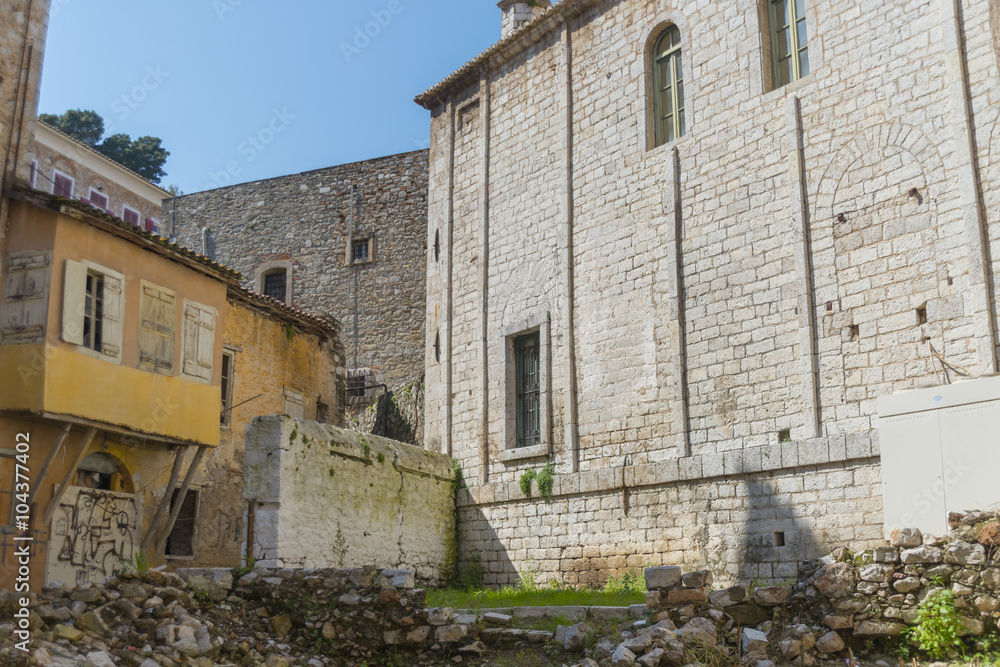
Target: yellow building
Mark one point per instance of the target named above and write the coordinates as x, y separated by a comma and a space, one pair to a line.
111, 346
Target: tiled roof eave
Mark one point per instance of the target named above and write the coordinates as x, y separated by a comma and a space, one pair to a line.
311, 323
125, 230
503, 51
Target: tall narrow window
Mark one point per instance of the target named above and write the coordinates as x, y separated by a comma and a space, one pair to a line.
34, 173
227, 387
526, 351
275, 284
93, 312
789, 45
668, 87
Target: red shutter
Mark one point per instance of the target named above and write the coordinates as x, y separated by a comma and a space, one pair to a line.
149, 225
63, 187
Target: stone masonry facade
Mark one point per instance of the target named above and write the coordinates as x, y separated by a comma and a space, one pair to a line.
307, 222
717, 315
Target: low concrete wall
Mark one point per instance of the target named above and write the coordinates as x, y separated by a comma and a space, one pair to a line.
327, 497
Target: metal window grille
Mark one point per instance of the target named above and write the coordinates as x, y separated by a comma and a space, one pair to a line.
357, 381
93, 315
275, 285
528, 369
359, 250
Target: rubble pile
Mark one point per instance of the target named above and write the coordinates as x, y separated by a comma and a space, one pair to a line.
835, 607
267, 618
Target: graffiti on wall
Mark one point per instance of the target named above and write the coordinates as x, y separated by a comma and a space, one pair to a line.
94, 533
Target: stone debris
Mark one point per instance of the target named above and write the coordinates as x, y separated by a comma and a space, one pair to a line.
272, 618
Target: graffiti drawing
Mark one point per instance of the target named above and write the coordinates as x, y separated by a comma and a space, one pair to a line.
94, 533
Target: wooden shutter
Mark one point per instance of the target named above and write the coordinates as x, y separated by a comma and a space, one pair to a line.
26, 293
62, 186
294, 404
114, 313
74, 302
156, 329
199, 341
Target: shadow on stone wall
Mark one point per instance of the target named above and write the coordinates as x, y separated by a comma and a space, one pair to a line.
397, 415
482, 559
777, 538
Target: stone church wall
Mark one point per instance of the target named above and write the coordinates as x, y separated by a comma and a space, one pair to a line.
754, 285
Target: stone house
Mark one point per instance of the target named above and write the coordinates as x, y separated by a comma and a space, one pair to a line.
680, 249
347, 241
70, 169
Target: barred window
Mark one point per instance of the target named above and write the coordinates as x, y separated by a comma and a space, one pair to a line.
526, 349
276, 285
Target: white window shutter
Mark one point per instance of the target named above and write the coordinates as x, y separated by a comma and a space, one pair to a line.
74, 302
114, 311
199, 341
294, 404
156, 329
26, 291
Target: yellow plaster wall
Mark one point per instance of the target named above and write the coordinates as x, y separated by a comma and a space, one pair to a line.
267, 359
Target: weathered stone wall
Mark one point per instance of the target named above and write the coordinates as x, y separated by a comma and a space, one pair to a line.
705, 513
397, 415
327, 497
799, 253
19, 85
306, 219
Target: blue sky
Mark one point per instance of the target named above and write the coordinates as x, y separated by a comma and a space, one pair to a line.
240, 90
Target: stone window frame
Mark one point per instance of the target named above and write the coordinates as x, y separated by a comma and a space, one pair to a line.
539, 322
273, 267
647, 121
360, 236
677, 106
762, 80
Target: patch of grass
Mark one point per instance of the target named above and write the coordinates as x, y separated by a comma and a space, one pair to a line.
627, 582
509, 596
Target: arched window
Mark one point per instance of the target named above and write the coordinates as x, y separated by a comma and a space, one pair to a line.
788, 41
668, 87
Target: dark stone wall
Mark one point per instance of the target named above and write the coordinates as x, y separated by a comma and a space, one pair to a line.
307, 219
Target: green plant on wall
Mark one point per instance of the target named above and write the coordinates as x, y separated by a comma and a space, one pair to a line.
527, 477
546, 478
938, 626
289, 333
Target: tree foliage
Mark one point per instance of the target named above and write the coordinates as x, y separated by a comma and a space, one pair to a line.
145, 155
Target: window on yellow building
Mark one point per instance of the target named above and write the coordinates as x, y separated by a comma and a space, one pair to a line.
180, 542
26, 292
228, 360
294, 404
157, 314
7, 467
199, 342
93, 305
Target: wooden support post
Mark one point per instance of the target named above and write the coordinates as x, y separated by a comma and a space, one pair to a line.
165, 502
251, 510
180, 497
57, 498
37, 482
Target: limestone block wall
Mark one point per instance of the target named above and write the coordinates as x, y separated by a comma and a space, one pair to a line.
327, 497
22, 47
757, 283
306, 219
